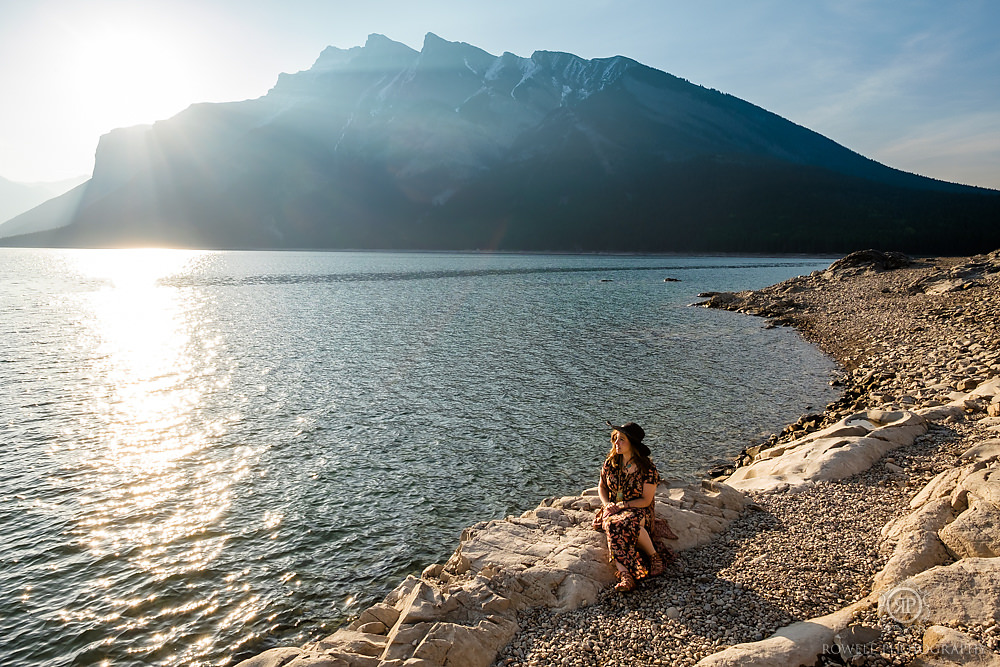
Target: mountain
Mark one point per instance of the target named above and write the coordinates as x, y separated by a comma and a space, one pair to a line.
451, 147
16, 198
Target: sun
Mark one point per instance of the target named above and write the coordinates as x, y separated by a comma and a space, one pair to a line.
126, 70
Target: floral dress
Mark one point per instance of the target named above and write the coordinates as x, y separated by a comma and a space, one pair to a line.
623, 527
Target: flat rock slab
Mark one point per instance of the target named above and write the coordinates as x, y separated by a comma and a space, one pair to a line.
946, 647
552, 557
460, 613
966, 592
846, 448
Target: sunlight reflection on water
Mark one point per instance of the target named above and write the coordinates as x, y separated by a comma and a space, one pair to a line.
210, 453
152, 487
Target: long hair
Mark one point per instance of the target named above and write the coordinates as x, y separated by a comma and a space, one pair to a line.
643, 463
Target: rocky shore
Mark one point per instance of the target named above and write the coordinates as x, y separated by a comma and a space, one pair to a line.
866, 534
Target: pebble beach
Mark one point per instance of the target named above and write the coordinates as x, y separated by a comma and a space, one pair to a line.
906, 336
810, 548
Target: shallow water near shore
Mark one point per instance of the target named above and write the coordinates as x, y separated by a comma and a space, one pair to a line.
206, 454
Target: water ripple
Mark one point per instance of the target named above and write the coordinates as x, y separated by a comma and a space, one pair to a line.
210, 453
437, 274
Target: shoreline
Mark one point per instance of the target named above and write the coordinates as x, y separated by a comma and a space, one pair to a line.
797, 546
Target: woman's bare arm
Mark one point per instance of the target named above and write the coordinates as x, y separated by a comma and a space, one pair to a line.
648, 492
602, 491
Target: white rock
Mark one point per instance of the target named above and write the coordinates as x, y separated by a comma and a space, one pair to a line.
275, 657
985, 451
326, 660
378, 613
831, 453
946, 646
932, 516
352, 641
797, 644
941, 486
915, 552
453, 644
966, 592
975, 533
983, 484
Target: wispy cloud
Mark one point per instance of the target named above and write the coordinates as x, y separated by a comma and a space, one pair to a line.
879, 87
964, 149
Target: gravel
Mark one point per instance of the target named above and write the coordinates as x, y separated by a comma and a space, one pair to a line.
795, 556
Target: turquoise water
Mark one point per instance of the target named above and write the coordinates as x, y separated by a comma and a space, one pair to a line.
206, 454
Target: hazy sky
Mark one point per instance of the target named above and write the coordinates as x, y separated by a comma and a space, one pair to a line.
911, 83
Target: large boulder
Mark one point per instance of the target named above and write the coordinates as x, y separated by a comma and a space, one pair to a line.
942, 486
931, 516
983, 484
461, 613
966, 592
548, 557
918, 547
946, 647
552, 557
975, 533
915, 552
697, 513
870, 259
456, 645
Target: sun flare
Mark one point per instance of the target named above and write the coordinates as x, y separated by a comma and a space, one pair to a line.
137, 268
126, 70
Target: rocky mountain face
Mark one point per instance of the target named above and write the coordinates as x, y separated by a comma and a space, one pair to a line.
451, 147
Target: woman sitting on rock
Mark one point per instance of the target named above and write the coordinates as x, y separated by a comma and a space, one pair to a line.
628, 484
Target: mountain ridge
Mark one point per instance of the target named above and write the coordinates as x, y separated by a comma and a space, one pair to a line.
452, 148
17, 197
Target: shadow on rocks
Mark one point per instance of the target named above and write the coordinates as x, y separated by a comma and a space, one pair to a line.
713, 596
688, 612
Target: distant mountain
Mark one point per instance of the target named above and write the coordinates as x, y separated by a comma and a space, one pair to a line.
451, 147
16, 198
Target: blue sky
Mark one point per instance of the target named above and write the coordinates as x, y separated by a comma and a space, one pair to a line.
914, 84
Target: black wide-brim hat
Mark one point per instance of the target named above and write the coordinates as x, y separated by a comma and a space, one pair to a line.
634, 433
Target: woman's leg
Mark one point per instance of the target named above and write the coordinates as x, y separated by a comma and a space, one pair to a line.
644, 541
622, 532
614, 561
646, 545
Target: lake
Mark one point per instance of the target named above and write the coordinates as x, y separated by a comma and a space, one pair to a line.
207, 454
